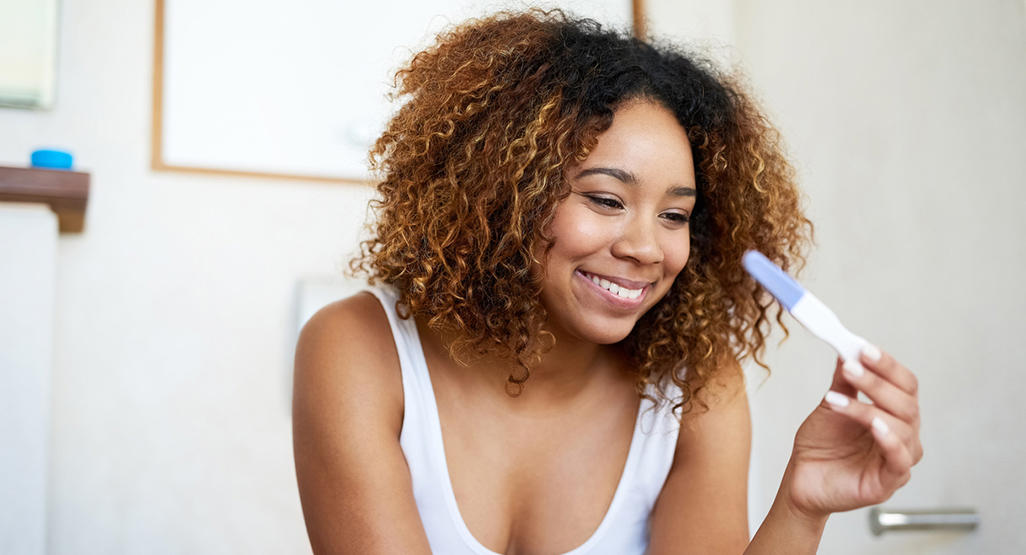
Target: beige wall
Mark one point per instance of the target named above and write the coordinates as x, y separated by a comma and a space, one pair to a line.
907, 122
175, 325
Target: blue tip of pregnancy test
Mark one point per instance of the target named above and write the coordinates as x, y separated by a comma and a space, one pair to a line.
775, 280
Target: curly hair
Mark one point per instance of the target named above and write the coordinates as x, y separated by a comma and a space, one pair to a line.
471, 172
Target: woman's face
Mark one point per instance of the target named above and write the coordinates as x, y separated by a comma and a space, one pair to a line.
624, 226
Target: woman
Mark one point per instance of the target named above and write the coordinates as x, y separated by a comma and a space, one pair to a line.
550, 360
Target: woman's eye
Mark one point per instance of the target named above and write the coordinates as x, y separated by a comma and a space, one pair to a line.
676, 217
606, 202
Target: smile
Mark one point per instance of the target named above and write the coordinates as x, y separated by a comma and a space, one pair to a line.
618, 288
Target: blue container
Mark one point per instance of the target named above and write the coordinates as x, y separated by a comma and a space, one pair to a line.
51, 159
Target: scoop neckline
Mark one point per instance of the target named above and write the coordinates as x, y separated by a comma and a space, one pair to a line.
438, 441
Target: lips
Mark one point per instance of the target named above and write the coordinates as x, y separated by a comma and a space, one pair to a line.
618, 288
622, 282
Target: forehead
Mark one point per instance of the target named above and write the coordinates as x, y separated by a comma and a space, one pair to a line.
646, 140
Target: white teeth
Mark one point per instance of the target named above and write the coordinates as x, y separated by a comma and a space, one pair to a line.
615, 289
628, 293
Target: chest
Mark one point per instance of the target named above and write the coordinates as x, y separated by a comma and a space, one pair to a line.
535, 483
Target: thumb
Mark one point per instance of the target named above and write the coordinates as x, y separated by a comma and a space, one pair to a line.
839, 383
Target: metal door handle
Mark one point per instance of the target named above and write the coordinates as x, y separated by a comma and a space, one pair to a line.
890, 520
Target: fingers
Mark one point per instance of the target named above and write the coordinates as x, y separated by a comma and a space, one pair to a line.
895, 438
895, 444
893, 415
888, 384
889, 369
840, 383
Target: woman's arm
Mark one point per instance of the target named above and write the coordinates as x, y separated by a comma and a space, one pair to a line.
785, 528
847, 454
703, 505
354, 483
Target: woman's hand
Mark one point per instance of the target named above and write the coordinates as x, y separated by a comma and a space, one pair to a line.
850, 454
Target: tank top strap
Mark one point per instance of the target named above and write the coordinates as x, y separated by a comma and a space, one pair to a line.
404, 333
421, 440
420, 413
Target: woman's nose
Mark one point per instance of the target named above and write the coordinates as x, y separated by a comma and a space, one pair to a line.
639, 242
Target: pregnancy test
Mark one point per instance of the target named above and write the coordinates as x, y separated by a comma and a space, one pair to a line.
804, 306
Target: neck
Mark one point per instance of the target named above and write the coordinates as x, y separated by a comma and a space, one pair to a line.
569, 364
566, 372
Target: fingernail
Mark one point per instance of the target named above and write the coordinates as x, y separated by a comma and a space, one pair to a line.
871, 351
853, 368
880, 425
836, 399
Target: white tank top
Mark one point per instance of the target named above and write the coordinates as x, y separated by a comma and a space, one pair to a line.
623, 530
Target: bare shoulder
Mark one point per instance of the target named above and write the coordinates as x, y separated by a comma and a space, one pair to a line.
725, 397
351, 322
347, 411
703, 504
347, 347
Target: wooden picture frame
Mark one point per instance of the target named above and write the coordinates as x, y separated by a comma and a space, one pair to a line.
164, 160
29, 40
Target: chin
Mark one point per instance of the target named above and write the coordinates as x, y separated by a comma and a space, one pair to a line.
604, 334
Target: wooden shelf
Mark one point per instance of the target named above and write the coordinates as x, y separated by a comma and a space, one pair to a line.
66, 192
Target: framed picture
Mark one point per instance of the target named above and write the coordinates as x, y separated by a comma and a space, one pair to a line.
28, 43
296, 90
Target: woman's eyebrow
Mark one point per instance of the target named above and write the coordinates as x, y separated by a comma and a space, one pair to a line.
630, 179
682, 191
622, 175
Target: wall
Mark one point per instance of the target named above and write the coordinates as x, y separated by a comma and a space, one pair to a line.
174, 327
907, 123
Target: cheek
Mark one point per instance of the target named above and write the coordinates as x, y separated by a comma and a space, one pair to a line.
677, 253
579, 230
